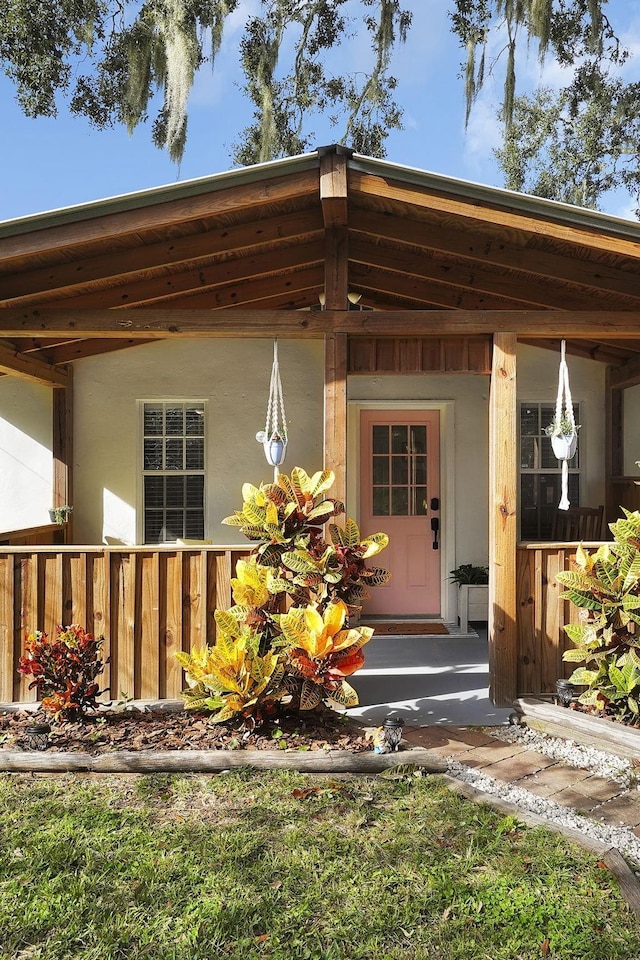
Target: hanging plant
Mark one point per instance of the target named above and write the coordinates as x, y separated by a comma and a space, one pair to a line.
274, 436
563, 430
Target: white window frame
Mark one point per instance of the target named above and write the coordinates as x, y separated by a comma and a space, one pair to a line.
141, 472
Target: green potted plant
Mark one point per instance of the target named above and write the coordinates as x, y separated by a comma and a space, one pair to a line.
473, 593
564, 437
60, 515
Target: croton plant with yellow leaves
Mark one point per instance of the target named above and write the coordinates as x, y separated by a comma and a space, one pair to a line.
287, 641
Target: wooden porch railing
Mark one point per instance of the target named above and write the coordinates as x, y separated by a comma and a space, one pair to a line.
541, 615
148, 602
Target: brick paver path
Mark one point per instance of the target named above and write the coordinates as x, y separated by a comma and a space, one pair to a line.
513, 763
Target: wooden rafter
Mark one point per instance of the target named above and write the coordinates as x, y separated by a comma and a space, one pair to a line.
176, 254
30, 368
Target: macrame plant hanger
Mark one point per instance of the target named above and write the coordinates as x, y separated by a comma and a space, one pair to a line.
274, 436
564, 446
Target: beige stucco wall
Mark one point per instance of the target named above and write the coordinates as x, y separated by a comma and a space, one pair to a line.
26, 468
233, 377
631, 437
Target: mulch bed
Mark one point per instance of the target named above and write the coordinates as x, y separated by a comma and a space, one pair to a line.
138, 730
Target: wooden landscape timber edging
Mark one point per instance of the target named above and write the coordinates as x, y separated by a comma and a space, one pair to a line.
214, 761
606, 735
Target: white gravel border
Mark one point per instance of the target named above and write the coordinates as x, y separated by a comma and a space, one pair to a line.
600, 764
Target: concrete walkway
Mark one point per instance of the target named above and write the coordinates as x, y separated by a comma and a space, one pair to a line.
426, 680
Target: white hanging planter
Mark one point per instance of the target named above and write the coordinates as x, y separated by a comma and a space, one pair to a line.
564, 445
563, 432
274, 436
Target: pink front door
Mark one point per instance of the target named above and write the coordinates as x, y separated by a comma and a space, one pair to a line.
400, 496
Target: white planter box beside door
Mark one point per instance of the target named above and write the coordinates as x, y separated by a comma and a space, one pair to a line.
473, 603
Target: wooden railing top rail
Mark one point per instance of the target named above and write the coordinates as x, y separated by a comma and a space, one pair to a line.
559, 544
124, 548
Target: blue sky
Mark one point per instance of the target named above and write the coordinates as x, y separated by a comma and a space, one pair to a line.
46, 164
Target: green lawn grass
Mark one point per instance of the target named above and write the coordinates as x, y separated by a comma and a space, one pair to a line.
278, 865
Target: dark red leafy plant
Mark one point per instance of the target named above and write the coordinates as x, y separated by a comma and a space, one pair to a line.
64, 670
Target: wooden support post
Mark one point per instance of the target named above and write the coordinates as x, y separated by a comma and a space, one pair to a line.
503, 521
63, 449
333, 196
614, 444
335, 411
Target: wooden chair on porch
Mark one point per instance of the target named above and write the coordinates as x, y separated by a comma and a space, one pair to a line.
578, 523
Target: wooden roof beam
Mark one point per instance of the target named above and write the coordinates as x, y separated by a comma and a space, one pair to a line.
468, 277
497, 248
377, 187
426, 291
160, 323
168, 285
160, 215
61, 280
16, 364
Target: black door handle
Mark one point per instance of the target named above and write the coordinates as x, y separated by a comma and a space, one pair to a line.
435, 526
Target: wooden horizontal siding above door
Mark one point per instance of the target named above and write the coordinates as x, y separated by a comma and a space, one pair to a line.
420, 355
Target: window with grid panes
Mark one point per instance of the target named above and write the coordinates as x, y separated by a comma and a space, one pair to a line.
173, 470
541, 472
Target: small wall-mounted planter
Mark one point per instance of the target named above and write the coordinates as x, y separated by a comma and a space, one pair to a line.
60, 515
473, 603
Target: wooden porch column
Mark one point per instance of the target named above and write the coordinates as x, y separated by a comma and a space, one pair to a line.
335, 411
63, 448
333, 196
503, 521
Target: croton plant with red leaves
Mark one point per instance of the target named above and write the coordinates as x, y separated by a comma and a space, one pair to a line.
64, 670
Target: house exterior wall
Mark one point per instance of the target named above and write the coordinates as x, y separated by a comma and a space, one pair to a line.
233, 377
631, 437
26, 468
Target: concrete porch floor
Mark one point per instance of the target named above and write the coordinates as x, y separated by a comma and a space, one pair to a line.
428, 680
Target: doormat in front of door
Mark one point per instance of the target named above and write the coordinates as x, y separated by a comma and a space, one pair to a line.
406, 628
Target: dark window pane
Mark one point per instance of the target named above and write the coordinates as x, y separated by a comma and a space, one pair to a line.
400, 470
174, 454
153, 526
528, 451
194, 421
152, 419
380, 501
174, 525
380, 470
194, 524
399, 439
174, 421
195, 492
399, 502
547, 457
418, 439
420, 501
195, 453
420, 470
154, 491
381, 439
174, 491
529, 424
152, 454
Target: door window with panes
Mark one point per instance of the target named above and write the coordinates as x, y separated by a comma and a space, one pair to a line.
173, 470
541, 472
